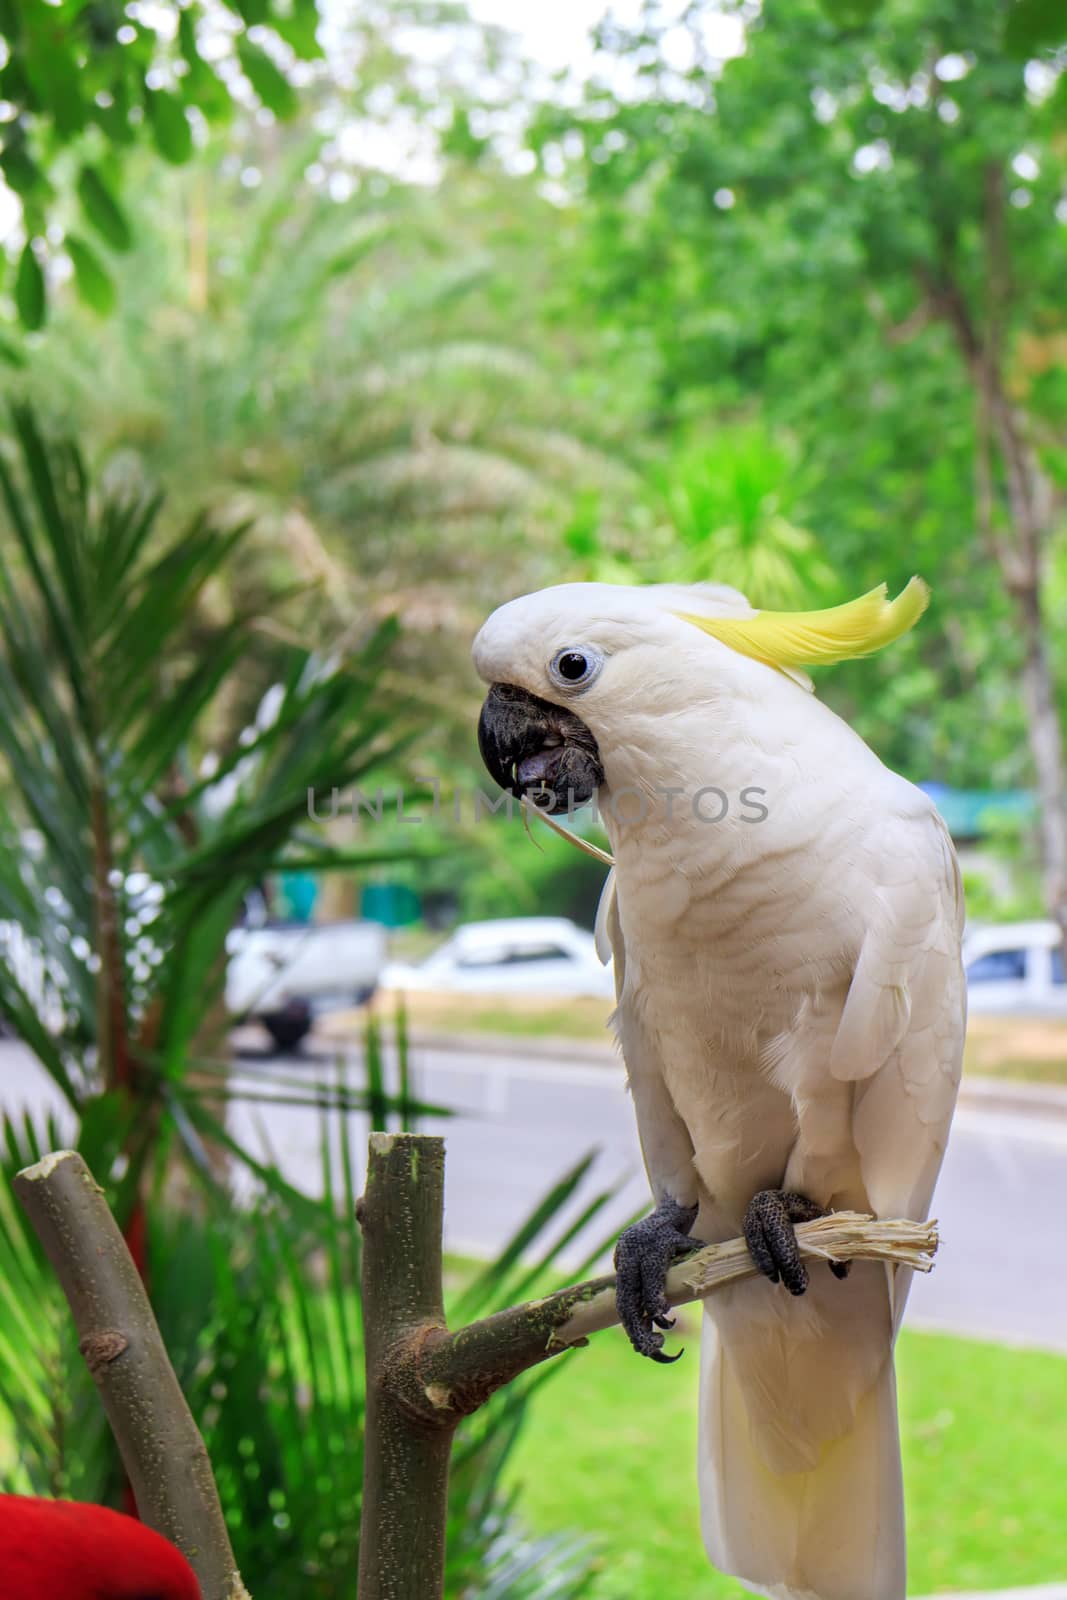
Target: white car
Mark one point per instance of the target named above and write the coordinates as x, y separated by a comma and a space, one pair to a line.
516, 955
284, 974
1015, 967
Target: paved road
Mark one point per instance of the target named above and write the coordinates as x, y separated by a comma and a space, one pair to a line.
522, 1122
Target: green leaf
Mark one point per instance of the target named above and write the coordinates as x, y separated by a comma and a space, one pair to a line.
268, 81
114, 119
11, 353
14, 84
10, 20
91, 278
1034, 26
170, 126
200, 86
102, 209
187, 36
30, 297
53, 69
299, 30
847, 13
251, 12
21, 172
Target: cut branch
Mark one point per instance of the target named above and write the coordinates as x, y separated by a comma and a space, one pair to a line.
405, 1461
458, 1372
161, 1447
422, 1379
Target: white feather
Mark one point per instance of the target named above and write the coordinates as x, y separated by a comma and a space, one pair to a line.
790, 1009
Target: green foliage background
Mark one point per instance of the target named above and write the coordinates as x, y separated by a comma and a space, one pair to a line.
404, 324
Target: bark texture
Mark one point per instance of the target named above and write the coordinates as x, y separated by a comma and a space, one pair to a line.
408, 1442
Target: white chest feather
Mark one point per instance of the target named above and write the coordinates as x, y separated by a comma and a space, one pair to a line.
770, 971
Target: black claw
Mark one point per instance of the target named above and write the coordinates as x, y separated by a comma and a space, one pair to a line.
840, 1269
771, 1239
758, 1248
666, 1361
642, 1257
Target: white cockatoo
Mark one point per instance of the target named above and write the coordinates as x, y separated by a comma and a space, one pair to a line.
785, 915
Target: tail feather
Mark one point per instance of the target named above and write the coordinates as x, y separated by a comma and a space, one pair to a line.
830, 1526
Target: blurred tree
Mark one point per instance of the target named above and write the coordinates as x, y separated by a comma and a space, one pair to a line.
366, 368
129, 842
858, 223
366, 365
729, 505
83, 83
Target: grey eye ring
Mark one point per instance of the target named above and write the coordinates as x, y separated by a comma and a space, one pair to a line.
575, 666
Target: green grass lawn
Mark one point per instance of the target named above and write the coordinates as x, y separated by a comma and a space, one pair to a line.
1033, 1049
609, 1449
524, 1016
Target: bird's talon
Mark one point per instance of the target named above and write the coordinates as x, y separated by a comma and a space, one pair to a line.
642, 1256
771, 1236
840, 1269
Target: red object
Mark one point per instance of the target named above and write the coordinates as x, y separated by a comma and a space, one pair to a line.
62, 1550
136, 1236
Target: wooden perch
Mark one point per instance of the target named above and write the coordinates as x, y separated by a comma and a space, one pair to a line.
423, 1379
162, 1451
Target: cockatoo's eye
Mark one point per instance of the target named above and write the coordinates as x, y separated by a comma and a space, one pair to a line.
575, 668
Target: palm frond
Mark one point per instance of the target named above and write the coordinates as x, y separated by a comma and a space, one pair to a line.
123, 910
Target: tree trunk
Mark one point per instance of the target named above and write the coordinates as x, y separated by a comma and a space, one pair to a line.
1022, 565
1046, 743
406, 1454
161, 1446
1031, 513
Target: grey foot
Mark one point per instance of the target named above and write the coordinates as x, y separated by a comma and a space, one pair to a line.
642, 1257
772, 1241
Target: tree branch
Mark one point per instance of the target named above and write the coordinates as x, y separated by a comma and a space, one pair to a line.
161, 1446
458, 1372
909, 327
422, 1379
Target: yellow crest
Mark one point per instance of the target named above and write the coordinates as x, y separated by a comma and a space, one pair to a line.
789, 639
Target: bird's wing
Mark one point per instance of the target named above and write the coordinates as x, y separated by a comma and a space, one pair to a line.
901, 1031
606, 931
666, 1144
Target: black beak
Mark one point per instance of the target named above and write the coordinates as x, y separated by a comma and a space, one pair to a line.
531, 746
